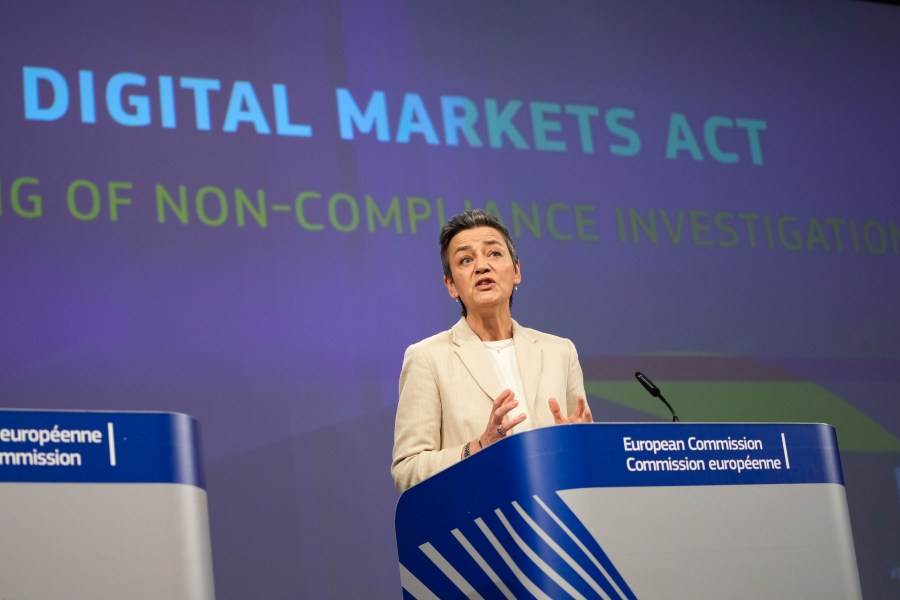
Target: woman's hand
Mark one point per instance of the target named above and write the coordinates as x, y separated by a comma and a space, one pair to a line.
498, 426
582, 413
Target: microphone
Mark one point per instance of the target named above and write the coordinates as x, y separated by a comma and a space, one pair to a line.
654, 391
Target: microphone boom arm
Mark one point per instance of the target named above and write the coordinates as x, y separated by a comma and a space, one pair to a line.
654, 391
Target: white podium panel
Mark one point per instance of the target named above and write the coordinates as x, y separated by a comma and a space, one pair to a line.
102, 506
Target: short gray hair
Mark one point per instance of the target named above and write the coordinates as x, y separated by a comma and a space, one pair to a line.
470, 220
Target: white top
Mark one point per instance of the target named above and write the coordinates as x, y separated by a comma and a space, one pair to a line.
503, 353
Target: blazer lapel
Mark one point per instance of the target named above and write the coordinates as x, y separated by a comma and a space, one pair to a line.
475, 358
528, 355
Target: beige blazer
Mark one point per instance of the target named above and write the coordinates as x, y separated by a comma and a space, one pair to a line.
447, 387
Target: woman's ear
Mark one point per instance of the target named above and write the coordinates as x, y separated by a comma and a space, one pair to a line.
451, 287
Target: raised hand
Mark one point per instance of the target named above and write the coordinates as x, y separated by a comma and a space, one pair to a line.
581, 414
498, 425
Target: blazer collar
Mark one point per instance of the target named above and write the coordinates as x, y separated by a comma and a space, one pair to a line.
478, 362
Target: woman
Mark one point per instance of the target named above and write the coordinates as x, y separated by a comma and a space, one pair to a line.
464, 389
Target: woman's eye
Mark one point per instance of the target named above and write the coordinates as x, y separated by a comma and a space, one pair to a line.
465, 261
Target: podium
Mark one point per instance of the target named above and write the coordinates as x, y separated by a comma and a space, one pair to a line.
653, 510
102, 506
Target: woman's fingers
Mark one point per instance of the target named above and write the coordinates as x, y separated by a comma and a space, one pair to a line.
498, 425
554, 409
503, 397
578, 415
581, 414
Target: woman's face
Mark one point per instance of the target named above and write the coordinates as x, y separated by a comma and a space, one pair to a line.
482, 272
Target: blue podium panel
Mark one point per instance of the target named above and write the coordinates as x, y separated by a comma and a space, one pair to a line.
655, 510
102, 505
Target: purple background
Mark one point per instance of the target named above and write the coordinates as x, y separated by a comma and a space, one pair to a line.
286, 343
